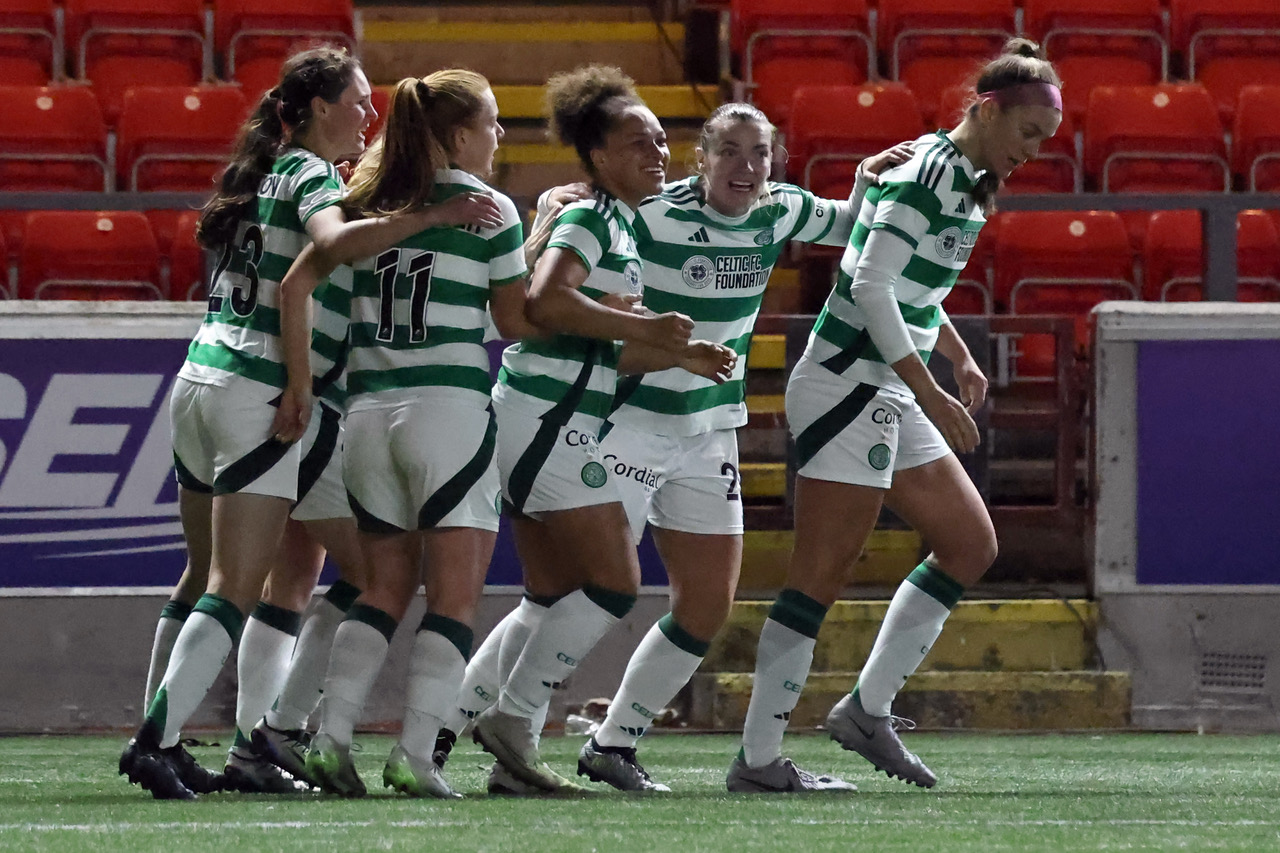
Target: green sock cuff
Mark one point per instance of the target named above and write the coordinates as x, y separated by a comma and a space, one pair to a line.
452, 630
680, 638
282, 619
936, 585
799, 612
241, 742
227, 614
342, 595
542, 600
374, 617
158, 710
176, 610
619, 604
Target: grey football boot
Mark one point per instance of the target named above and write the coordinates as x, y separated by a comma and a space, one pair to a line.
503, 784
876, 739
510, 739
616, 766
330, 764
781, 776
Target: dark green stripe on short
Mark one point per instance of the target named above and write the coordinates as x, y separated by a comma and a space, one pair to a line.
188, 480
250, 467
827, 427
446, 498
317, 459
525, 471
367, 522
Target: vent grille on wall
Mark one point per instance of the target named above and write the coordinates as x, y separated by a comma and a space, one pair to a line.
1232, 672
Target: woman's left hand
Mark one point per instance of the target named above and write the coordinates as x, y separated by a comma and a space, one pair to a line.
709, 360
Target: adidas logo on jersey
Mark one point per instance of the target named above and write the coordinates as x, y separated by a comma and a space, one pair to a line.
962, 208
700, 236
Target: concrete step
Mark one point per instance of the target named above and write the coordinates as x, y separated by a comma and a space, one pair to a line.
1037, 701
889, 556
1009, 635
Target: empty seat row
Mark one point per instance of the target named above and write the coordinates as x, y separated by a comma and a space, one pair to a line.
930, 45
116, 44
102, 255
1025, 262
172, 138
1164, 138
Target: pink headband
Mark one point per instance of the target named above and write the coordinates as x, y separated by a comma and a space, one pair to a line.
1034, 94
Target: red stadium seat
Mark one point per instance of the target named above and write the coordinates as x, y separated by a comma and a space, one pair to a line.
176, 138
1256, 138
187, 274
254, 38
1228, 44
1154, 139
801, 42
28, 43
117, 44
932, 45
52, 138
834, 127
1174, 265
1060, 263
1099, 42
85, 254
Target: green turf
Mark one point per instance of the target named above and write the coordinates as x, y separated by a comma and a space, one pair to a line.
997, 792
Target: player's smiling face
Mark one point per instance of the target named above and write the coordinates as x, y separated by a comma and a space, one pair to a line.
737, 165
1013, 136
632, 164
340, 126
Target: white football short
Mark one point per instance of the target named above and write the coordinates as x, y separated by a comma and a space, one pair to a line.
422, 465
849, 432
222, 443
544, 466
688, 483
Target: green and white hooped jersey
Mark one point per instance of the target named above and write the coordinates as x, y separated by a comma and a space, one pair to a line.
928, 202
714, 269
419, 309
564, 374
239, 341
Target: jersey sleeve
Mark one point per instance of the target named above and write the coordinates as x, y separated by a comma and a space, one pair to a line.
584, 231
506, 245
316, 186
820, 220
905, 207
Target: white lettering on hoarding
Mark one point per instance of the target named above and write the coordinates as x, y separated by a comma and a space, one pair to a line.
52, 432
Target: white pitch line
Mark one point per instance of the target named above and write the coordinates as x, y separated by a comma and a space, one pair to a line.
130, 826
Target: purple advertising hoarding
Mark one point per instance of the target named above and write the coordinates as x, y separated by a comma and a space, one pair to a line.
1208, 417
87, 493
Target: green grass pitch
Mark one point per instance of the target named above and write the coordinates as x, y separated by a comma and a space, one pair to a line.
996, 792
